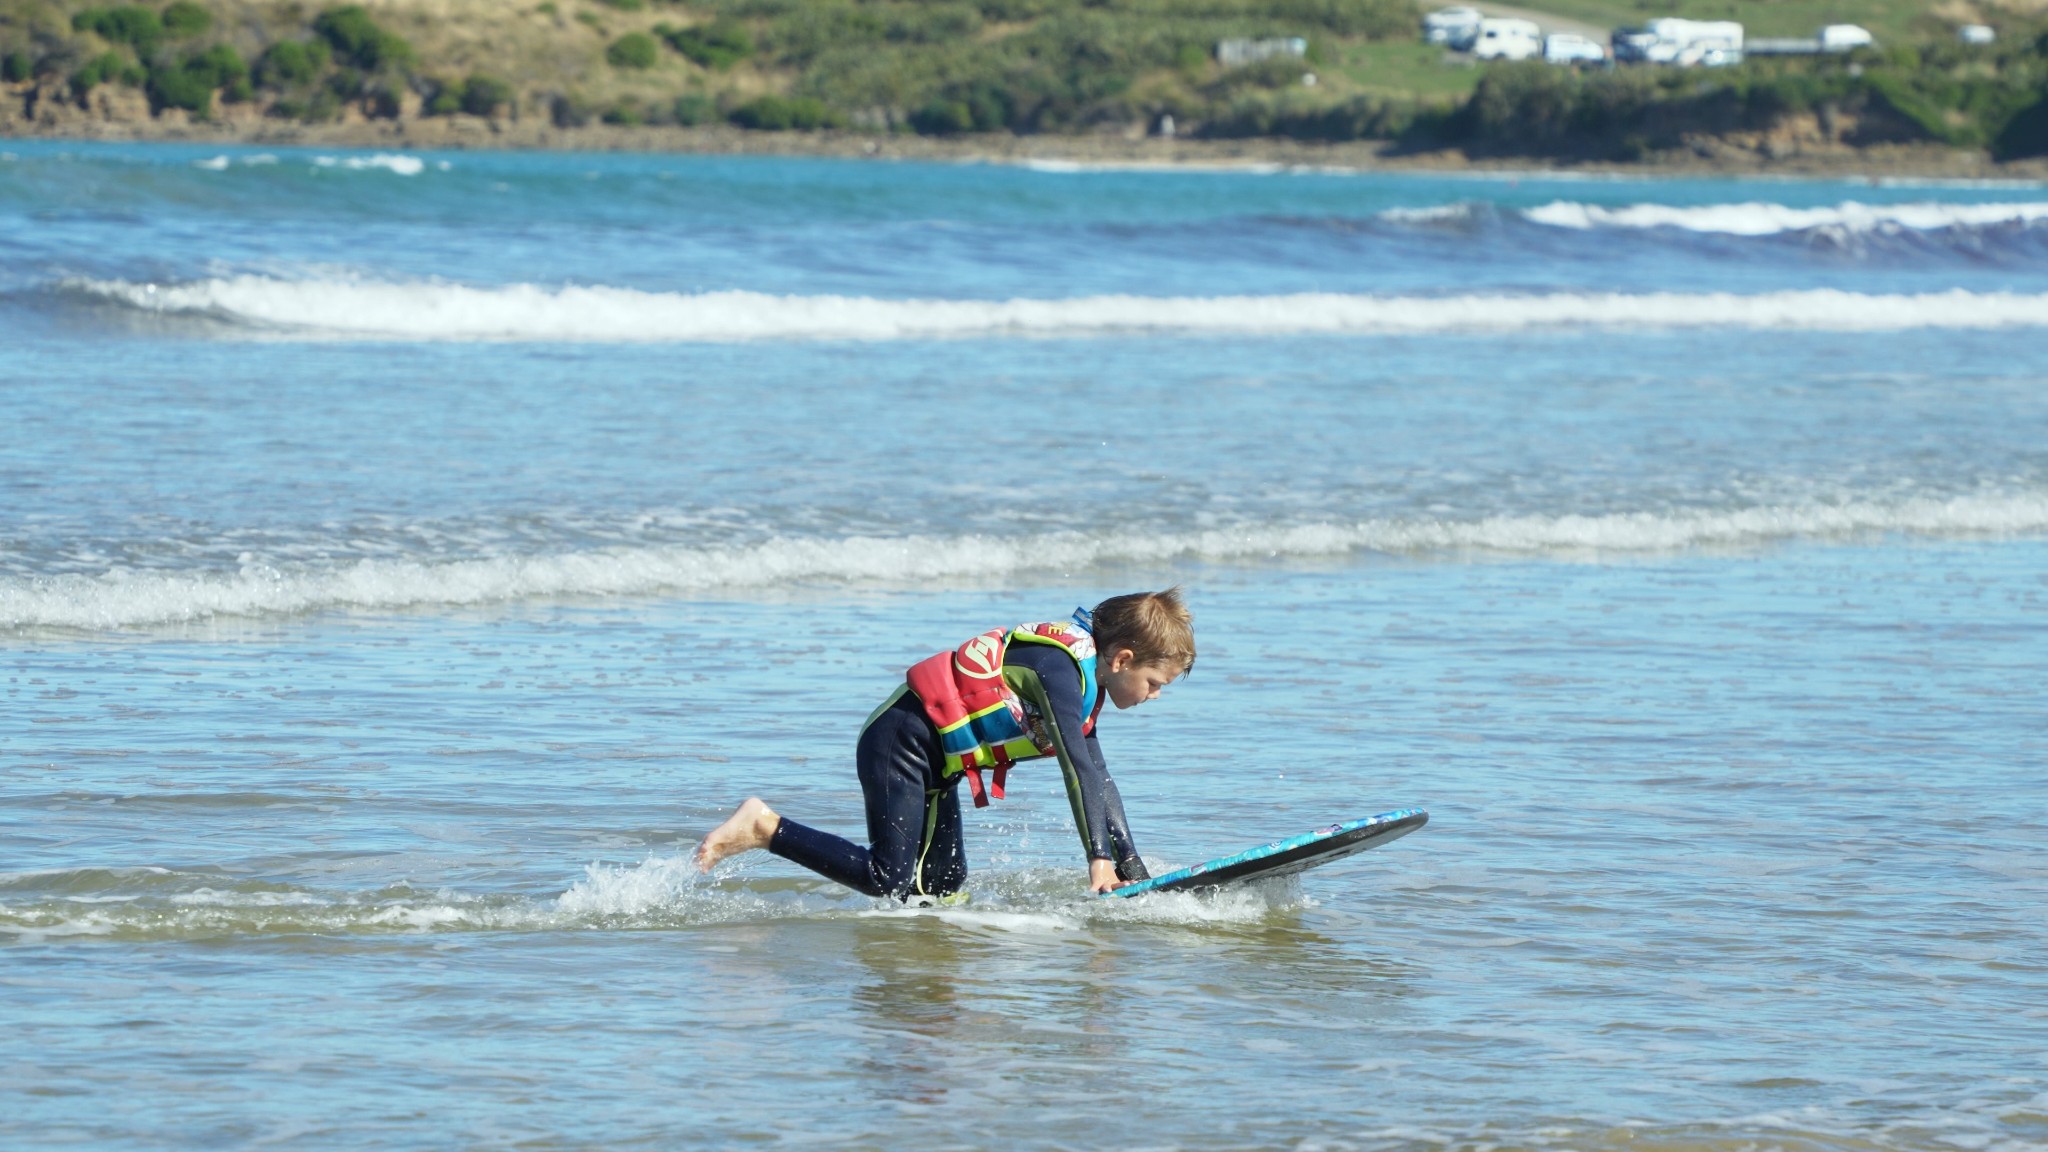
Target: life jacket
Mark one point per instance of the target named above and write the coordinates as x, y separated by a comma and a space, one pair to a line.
981, 722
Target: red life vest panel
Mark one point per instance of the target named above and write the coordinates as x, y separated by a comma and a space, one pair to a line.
981, 722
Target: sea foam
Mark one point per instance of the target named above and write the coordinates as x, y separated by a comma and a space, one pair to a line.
432, 311
1765, 219
390, 162
131, 598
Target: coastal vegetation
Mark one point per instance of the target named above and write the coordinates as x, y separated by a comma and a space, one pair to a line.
959, 68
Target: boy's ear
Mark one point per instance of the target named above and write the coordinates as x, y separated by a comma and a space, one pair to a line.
1121, 659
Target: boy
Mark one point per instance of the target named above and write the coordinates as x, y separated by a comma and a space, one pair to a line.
1007, 695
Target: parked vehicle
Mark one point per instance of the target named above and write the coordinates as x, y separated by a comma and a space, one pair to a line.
1632, 45
1571, 48
1454, 28
1845, 38
1508, 40
1688, 43
1977, 34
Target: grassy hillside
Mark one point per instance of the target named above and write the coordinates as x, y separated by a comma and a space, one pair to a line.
1894, 21
962, 67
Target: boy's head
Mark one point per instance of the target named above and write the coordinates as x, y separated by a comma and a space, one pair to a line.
1143, 641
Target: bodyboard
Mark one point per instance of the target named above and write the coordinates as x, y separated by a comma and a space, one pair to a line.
1286, 857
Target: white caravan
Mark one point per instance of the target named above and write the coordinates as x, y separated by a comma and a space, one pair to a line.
1845, 38
1683, 42
1508, 40
1571, 48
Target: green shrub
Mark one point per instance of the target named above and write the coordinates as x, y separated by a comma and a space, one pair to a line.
719, 45
978, 107
786, 113
446, 99
139, 28
96, 71
693, 109
1305, 117
190, 85
175, 87
222, 63
568, 112
483, 95
17, 67
290, 63
2025, 134
930, 23
184, 18
625, 5
633, 50
318, 108
626, 114
358, 41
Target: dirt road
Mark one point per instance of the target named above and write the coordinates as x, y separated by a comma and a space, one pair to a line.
1548, 21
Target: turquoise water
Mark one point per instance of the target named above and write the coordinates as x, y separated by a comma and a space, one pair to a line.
406, 558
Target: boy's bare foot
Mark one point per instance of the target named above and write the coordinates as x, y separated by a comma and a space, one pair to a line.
749, 827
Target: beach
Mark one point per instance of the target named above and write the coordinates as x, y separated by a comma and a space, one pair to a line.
410, 552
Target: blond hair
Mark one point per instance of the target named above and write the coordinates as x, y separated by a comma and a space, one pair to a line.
1156, 626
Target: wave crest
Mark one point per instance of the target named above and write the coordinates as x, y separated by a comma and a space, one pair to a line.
1764, 219
340, 309
130, 598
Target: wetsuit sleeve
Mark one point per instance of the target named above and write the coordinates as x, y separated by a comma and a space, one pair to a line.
1048, 678
1128, 865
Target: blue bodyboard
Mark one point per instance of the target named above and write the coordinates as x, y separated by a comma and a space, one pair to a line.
1286, 857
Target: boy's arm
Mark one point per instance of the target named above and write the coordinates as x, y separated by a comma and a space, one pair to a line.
1047, 677
1128, 865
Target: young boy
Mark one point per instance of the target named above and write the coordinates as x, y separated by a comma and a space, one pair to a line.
1007, 695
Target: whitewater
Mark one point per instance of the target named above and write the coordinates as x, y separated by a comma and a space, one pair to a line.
123, 598
532, 312
1756, 218
406, 557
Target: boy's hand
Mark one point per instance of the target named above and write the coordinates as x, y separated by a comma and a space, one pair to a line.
1102, 876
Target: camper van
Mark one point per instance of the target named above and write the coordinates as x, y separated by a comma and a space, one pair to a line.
1454, 28
1688, 43
1845, 38
1571, 48
1508, 40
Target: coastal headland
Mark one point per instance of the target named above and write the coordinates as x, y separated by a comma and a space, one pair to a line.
1137, 82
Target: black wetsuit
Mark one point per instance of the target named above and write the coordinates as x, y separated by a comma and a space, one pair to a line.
914, 811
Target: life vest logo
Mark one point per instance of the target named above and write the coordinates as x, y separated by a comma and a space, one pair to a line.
981, 657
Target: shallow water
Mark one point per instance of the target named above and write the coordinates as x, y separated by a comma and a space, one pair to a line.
393, 599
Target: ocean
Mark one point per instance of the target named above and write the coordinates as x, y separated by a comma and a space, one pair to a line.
406, 558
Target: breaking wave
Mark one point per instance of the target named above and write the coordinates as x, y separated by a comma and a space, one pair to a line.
131, 598
427, 311
1765, 219
659, 892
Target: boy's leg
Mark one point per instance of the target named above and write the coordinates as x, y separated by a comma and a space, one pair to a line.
895, 758
942, 867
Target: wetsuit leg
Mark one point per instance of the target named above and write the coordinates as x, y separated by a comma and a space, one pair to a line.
911, 818
943, 870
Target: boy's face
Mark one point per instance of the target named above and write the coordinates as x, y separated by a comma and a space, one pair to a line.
1130, 683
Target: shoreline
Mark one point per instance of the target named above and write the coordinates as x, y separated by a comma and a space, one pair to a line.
1712, 156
